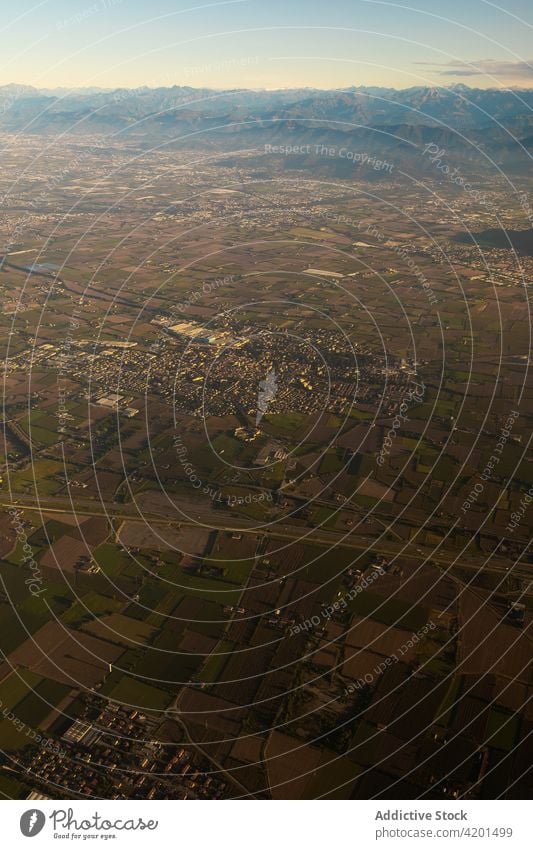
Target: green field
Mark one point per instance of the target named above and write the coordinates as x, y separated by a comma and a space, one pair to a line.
120, 629
389, 611
39, 474
330, 463
16, 687
89, 607
236, 571
111, 560
216, 662
37, 704
135, 693
30, 615
323, 517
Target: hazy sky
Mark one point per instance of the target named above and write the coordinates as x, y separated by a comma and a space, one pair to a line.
266, 43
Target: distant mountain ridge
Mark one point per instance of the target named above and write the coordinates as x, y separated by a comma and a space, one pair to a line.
457, 107
497, 122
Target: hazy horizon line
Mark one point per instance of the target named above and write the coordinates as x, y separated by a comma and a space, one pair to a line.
339, 89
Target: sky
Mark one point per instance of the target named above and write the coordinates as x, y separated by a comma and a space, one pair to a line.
267, 43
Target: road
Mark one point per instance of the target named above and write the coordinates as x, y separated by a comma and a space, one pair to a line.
211, 520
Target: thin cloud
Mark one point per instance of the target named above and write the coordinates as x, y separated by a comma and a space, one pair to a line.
492, 67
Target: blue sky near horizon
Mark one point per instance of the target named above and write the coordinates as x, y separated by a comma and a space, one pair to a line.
267, 43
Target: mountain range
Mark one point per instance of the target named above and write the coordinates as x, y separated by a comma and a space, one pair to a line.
479, 126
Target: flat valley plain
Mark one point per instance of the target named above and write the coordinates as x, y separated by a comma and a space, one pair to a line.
265, 460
